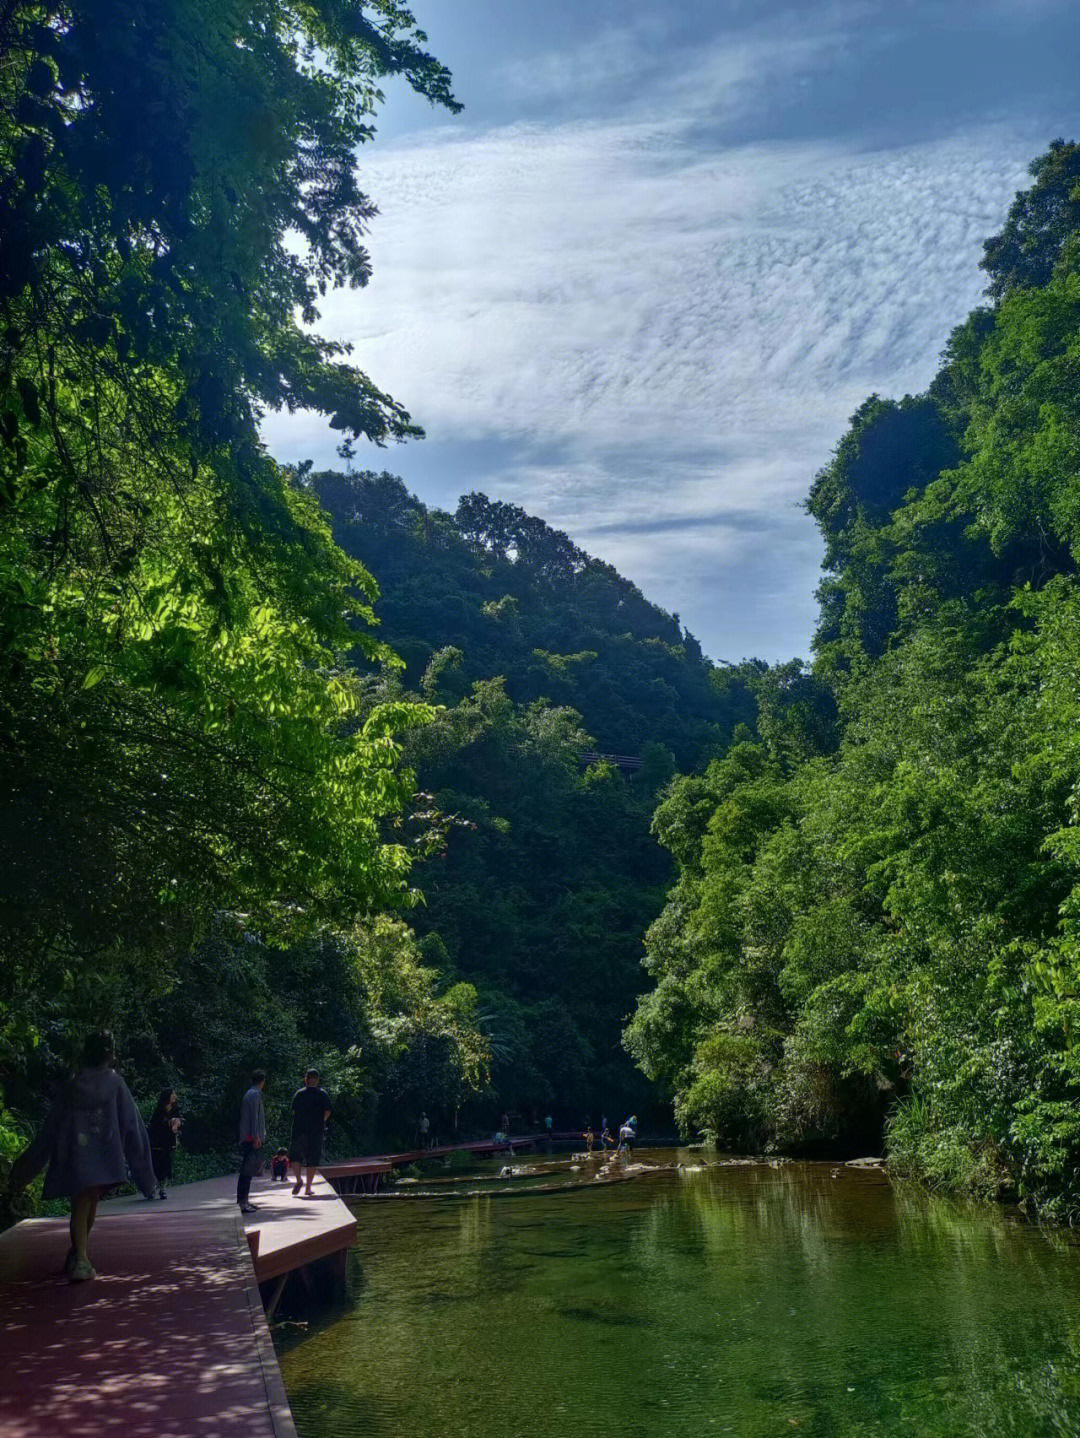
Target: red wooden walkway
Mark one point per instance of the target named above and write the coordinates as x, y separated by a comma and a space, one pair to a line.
171, 1339
355, 1176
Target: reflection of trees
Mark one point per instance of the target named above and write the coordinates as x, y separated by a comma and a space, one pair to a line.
938, 1314
750, 1295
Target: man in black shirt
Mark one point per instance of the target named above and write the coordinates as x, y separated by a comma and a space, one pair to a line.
310, 1110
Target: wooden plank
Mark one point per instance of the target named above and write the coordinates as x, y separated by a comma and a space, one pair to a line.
356, 1166
284, 1232
169, 1340
481, 1147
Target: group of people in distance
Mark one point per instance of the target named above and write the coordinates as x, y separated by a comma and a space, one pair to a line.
627, 1137
94, 1138
310, 1110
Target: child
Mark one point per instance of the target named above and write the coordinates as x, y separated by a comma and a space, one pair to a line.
590, 1140
279, 1165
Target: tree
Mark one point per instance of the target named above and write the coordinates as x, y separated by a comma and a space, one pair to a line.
1040, 223
179, 734
872, 932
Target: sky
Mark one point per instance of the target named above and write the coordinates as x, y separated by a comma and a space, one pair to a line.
642, 282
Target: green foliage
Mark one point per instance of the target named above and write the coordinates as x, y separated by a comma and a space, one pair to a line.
1040, 223
873, 930
519, 601
537, 653
188, 760
179, 734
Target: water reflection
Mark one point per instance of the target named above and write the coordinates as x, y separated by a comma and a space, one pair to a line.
746, 1300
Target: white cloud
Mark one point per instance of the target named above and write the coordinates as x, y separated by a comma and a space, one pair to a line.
667, 333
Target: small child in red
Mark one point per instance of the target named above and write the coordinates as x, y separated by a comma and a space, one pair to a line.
279, 1164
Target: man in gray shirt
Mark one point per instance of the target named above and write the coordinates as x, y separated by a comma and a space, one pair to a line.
252, 1136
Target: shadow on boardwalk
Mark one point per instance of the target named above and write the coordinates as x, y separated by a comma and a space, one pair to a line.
169, 1341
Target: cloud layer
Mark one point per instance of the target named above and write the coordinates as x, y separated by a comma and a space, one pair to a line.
661, 340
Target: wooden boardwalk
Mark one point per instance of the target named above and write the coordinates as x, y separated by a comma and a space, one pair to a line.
171, 1339
285, 1234
353, 1177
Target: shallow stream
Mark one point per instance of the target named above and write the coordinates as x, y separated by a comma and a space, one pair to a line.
755, 1300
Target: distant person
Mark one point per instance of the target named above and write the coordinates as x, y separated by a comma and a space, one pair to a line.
626, 1138
92, 1135
252, 1138
423, 1129
279, 1165
310, 1110
164, 1130
606, 1140
505, 1124
548, 1125
590, 1141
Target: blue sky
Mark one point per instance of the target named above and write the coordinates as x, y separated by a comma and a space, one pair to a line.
641, 283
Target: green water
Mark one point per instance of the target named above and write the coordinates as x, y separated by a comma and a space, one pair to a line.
753, 1301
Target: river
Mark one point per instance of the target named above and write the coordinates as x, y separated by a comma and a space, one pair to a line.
751, 1300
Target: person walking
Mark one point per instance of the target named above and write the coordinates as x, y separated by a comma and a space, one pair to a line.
252, 1138
310, 1110
164, 1129
92, 1135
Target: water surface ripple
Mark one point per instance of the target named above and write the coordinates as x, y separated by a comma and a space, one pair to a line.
802, 1299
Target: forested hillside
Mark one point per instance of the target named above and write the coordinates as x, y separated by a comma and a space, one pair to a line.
875, 920
536, 654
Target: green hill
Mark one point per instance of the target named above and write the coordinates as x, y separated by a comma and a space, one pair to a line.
537, 654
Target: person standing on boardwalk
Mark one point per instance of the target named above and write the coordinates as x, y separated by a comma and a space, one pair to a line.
310, 1110
164, 1127
423, 1129
93, 1134
252, 1138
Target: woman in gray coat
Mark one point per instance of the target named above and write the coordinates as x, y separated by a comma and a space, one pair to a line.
92, 1135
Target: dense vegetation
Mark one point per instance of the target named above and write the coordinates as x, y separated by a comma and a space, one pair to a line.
875, 919
220, 773
536, 654
189, 766
210, 802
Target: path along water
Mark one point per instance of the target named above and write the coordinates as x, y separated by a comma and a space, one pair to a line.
750, 1300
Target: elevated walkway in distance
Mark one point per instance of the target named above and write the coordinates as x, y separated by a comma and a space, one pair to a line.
354, 1177
628, 763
